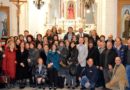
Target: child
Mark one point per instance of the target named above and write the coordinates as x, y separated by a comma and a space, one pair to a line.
40, 73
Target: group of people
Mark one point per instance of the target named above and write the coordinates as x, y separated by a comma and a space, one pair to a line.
82, 59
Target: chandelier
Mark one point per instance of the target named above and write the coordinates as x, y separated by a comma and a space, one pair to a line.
38, 3
89, 3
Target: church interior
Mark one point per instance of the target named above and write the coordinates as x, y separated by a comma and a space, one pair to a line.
105, 18
39, 15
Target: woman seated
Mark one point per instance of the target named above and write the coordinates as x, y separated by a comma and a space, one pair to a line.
40, 73
118, 81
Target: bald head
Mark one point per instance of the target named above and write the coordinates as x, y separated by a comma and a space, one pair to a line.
80, 30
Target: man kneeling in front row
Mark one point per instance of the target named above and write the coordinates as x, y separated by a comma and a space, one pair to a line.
89, 76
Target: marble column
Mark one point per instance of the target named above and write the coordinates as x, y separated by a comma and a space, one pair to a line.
107, 17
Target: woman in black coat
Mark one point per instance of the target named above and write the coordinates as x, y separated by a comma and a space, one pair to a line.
72, 62
38, 39
22, 65
93, 53
73, 58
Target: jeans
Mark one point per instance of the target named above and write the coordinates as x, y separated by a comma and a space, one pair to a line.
79, 71
128, 75
84, 80
71, 81
64, 72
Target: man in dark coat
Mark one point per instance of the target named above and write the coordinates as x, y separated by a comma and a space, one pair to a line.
120, 49
89, 75
81, 34
107, 61
128, 63
69, 34
101, 48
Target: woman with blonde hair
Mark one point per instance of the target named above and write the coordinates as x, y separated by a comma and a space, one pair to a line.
9, 61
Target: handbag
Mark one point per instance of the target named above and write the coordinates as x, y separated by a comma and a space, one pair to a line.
63, 63
4, 79
73, 69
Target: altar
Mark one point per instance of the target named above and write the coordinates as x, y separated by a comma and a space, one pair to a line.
70, 13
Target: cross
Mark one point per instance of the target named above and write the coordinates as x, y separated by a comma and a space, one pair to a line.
1, 4
18, 3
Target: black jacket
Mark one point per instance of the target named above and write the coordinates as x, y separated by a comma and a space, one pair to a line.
84, 35
126, 55
66, 36
37, 42
91, 73
110, 58
64, 53
94, 54
22, 58
102, 57
73, 58
43, 55
94, 40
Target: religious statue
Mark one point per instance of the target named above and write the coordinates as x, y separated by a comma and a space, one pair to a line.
4, 31
70, 14
126, 23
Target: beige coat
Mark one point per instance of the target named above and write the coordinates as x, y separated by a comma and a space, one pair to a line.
118, 81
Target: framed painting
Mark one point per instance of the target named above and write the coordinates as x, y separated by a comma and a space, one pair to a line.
4, 22
123, 19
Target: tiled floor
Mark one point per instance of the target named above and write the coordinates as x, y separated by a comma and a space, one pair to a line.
28, 88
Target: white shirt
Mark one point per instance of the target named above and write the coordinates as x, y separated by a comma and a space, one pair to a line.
83, 53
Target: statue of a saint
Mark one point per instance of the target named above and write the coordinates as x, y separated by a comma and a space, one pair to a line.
71, 12
126, 24
4, 31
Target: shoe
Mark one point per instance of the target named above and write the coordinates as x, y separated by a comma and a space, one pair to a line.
43, 88
73, 87
21, 87
33, 86
77, 85
39, 87
68, 87
50, 88
55, 88
84, 88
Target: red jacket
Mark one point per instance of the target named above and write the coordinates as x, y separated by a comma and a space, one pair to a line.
9, 63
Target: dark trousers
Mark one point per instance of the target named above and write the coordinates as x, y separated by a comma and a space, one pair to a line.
107, 75
100, 82
31, 76
53, 76
79, 71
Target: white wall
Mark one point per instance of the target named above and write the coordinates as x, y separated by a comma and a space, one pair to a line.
107, 17
24, 18
37, 17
